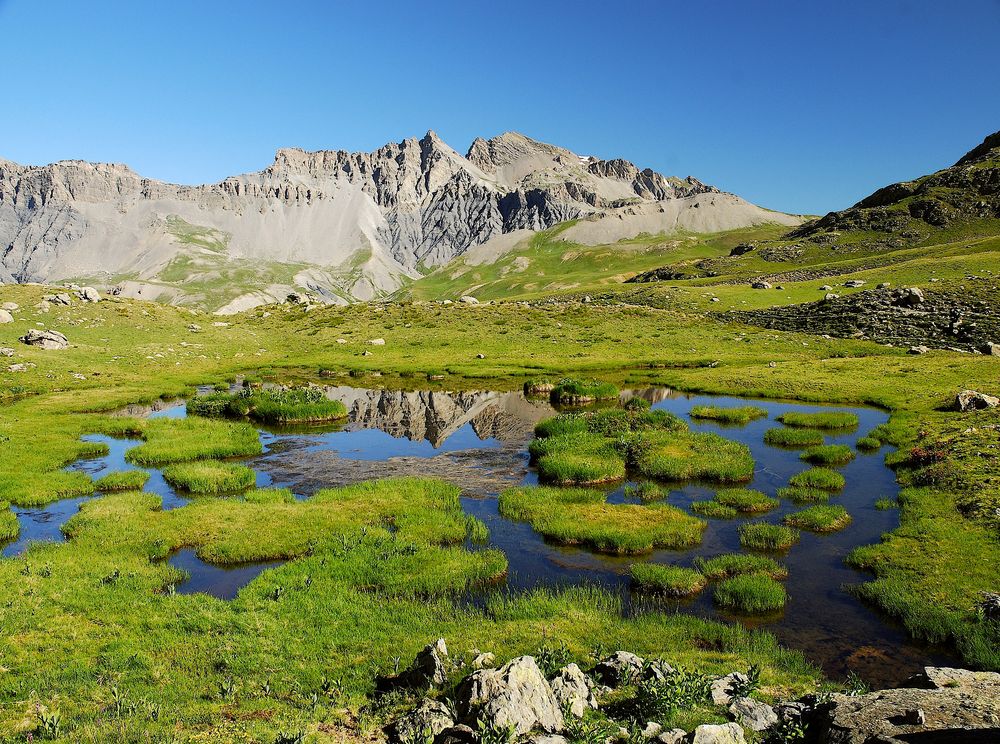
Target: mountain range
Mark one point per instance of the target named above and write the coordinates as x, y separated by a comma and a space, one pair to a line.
342, 226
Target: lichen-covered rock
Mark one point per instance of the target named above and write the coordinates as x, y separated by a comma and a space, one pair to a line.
573, 690
753, 714
619, 668
514, 695
6, 317
50, 340
723, 688
428, 668
427, 720
971, 400
726, 733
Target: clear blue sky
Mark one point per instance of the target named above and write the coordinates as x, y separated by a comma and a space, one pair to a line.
798, 105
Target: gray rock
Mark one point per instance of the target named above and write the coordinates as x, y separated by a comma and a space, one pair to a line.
658, 669
482, 661
457, 734
970, 400
6, 317
427, 720
883, 285
760, 285
908, 296
548, 739
49, 340
573, 690
753, 714
89, 294
652, 730
990, 605
948, 678
515, 695
831, 296
6, 351
722, 687
918, 349
58, 299
377, 342
673, 736
726, 733
428, 668
991, 349
619, 668
825, 288
854, 283
9, 306
468, 300
43, 306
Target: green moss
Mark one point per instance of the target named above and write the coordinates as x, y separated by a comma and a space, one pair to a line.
751, 593
763, 536
820, 518
577, 516
674, 581
207, 477
126, 480
828, 454
824, 478
742, 415
793, 437
735, 564
823, 420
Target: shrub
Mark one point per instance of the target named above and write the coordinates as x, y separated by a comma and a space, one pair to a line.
750, 593
713, 509
735, 564
828, 454
125, 480
793, 437
820, 518
764, 536
823, 420
829, 480
743, 415
745, 500
803, 495
674, 581
208, 477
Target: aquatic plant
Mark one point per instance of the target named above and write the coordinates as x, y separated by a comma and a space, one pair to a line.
735, 564
713, 509
571, 390
9, 526
820, 518
869, 444
741, 415
646, 491
745, 500
764, 536
751, 593
579, 459
674, 581
677, 456
825, 478
885, 503
793, 437
828, 454
820, 420
803, 494
271, 405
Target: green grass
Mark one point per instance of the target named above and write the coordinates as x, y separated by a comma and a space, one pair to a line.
740, 416
793, 437
207, 477
822, 478
693, 456
820, 518
745, 500
674, 581
824, 420
735, 564
181, 440
646, 491
574, 391
885, 503
573, 516
125, 480
566, 423
869, 444
828, 454
269, 496
271, 405
9, 526
803, 494
764, 536
713, 509
750, 593
579, 459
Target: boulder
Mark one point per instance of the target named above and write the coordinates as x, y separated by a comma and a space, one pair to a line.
573, 691
753, 714
428, 668
854, 283
831, 296
673, 736
908, 296
658, 669
89, 294
619, 668
910, 715
6, 317
483, 661
742, 249
948, 678
991, 349
652, 730
883, 285
427, 720
468, 300
547, 739
9, 306
760, 285
58, 299
49, 340
970, 400
726, 733
514, 695
722, 688
6, 351
918, 349
377, 342
44, 306
990, 606
457, 734
825, 288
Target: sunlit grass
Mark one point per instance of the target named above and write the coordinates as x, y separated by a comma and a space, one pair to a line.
741, 415
734, 564
674, 581
750, 593
784, 437
820, 518
764, 536
824, 478
125, 480
819, 420
828, 454
209, 477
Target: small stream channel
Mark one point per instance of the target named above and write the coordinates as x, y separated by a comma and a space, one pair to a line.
478, 440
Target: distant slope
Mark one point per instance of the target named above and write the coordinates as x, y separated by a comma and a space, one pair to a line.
344, 226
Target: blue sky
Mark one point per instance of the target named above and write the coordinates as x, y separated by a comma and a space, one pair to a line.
802, 106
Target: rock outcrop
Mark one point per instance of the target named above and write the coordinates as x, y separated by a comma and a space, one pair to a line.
364, 222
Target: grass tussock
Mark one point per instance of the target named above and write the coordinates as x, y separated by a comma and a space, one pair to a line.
825, 478
713, 509
577, 459
574, 516
750, 593
869, 444
820, 518
9, 526
764, 536
828, 454
208, 477
646, 491
692, 456
124, 480
745, 500
885, 503
728, 415
803, 494
793, 438
673, 581
736, 564
821, 420
271, 405
573, 391
181, 440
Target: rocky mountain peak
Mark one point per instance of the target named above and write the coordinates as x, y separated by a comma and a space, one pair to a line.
982, 151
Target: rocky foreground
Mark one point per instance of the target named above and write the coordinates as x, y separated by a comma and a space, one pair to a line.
468, 701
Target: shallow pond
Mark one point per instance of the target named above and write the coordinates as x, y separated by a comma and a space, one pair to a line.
478, 440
